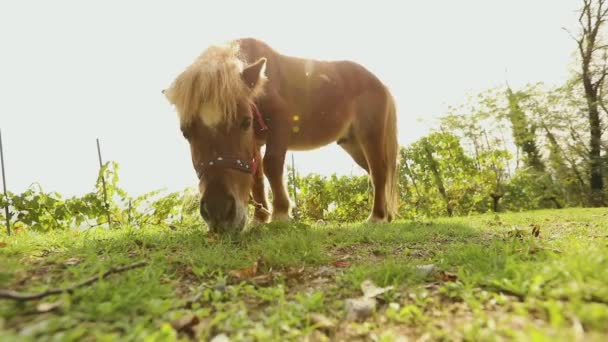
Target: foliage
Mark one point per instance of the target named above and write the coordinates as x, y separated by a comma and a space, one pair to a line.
343, 199
38, 210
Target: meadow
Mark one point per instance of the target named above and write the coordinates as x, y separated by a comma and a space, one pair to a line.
538, 275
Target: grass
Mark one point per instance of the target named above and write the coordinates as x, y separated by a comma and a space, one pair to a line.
477, 278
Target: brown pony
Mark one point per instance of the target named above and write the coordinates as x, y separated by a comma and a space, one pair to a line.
236, 98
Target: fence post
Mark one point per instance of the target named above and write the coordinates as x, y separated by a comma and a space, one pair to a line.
8, 222
293, 178
103, 182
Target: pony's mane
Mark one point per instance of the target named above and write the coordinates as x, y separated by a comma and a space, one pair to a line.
212, 86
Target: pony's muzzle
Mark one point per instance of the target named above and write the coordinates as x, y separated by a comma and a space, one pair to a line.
219, 209
219, 212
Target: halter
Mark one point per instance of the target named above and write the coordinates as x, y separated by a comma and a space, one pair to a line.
247, 166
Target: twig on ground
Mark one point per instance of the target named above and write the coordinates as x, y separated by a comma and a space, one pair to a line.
22, 297
522, 297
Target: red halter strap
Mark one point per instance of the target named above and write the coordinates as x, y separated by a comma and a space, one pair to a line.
243, 165
258, 116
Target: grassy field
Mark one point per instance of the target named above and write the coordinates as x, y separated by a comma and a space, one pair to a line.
531, 276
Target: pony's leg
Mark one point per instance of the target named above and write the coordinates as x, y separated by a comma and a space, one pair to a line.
378, 168
273, 165
378, 173
261, 213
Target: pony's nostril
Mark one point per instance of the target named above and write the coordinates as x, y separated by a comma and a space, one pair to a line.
230, 208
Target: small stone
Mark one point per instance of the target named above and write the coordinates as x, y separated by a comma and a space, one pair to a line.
358, 309
220, 338
426, 270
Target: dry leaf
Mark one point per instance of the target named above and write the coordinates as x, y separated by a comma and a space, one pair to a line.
535, 230
186, 324
322, 322
448, 276
247, 272
341, 263
48, 307
3, 244
264, 279
370, 290
71, 262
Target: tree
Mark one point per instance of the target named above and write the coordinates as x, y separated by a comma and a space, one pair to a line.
592, 50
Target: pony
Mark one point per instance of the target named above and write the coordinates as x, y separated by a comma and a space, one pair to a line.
242, 95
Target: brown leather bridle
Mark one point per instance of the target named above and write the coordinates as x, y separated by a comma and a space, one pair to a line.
239, 164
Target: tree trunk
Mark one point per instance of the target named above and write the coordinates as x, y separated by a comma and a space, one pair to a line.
596, 166
495, 202
437, 176
593, 16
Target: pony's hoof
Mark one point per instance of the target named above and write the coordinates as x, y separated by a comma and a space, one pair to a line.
281, 217
260, 220
376, 220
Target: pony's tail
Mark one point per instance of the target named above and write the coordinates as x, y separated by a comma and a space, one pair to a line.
392, 158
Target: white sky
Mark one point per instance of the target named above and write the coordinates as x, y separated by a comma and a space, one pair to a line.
71, 71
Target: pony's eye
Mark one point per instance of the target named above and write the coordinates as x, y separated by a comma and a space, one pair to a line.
246, 123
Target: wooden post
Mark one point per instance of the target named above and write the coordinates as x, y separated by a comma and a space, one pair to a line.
103, 182
293, 178
8, 222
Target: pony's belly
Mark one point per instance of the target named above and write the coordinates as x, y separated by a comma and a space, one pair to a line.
317, 132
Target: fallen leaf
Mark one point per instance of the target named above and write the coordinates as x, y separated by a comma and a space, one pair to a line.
48, 307
535, 230
447, 276
340, 263
358, 309
322, 322
3, 244
370, 290
264, 279
186, 324
247, 272
71, 262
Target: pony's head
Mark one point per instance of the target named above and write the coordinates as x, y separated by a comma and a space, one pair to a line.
214, 98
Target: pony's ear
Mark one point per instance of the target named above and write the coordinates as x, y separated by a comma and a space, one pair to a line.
254, 72
168, 94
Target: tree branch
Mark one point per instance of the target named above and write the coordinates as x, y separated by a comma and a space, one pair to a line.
22, 297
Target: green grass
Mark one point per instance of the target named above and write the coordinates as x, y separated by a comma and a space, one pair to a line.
491, 279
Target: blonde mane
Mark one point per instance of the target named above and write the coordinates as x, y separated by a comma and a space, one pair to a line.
212, 86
